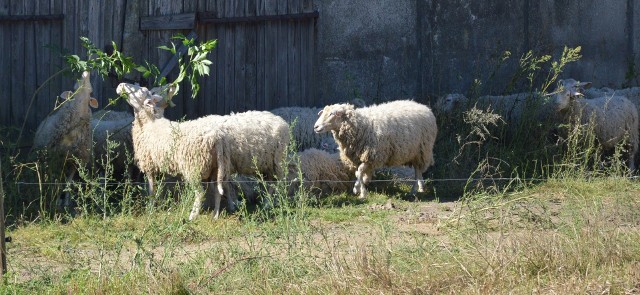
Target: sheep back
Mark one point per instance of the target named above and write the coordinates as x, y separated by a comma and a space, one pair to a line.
324, 173
302, 131
610, 113
258, 135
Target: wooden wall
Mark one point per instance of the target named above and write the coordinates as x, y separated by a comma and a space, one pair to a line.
259, 64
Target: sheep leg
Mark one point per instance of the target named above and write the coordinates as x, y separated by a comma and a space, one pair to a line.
197, 204
363, 175
150, 184
419, 181
66, 199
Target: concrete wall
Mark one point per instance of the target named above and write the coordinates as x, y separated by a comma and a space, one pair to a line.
388, 49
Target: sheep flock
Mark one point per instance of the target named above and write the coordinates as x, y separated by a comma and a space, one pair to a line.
338, 146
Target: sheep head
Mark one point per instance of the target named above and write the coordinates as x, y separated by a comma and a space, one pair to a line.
83, 89
152, 102
450, 102
332, 116
568, 91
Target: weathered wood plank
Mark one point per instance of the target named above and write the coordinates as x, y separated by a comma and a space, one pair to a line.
55, 61
17, 66
209, 19
5, 68
183, 21
31, 18
221, 55
229, 88
42, 62
282, 53
311, 59
293, 56
261, 95
239, 81
271, 51
250, 92
211, 88
30, 64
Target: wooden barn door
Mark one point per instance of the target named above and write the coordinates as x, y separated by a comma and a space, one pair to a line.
28, 30
264, 57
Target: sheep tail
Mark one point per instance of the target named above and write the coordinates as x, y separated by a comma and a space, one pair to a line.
223, 164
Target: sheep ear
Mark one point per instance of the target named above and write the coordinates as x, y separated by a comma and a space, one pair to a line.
320, 112
149, 102
584, 85
93, 103
338, 113
65, 95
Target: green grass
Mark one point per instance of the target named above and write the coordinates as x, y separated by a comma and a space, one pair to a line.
563, 236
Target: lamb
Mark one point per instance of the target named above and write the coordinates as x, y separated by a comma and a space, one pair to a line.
615, 117
324, 173
113, 126
66, 133
394, 133
191, 149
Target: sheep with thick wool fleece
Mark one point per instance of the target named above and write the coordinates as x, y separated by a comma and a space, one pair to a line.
390, 134
192, 149
255, 142
615, 118
113, 126
66, 134
324, 173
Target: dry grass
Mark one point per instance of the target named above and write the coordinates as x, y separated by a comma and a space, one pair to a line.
562, 237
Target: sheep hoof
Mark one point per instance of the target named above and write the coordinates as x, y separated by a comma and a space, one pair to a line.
193, 215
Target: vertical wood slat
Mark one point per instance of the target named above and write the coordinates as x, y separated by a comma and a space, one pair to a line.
55, 61
17, 65
30, 63
282, 56
209, 97
229, 95
221, 66
271, 50
261, 95
293, 56
239, 81
5, 67
42, 61
250, 53
310, 57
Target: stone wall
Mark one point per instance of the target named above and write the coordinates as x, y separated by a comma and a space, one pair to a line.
388, 49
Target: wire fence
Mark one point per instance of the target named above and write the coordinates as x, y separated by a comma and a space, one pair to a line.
21, 183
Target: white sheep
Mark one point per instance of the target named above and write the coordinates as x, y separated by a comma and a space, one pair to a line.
615, 117
394, 133
323, 173
190, 149
65, 134
254, 142
115, 127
